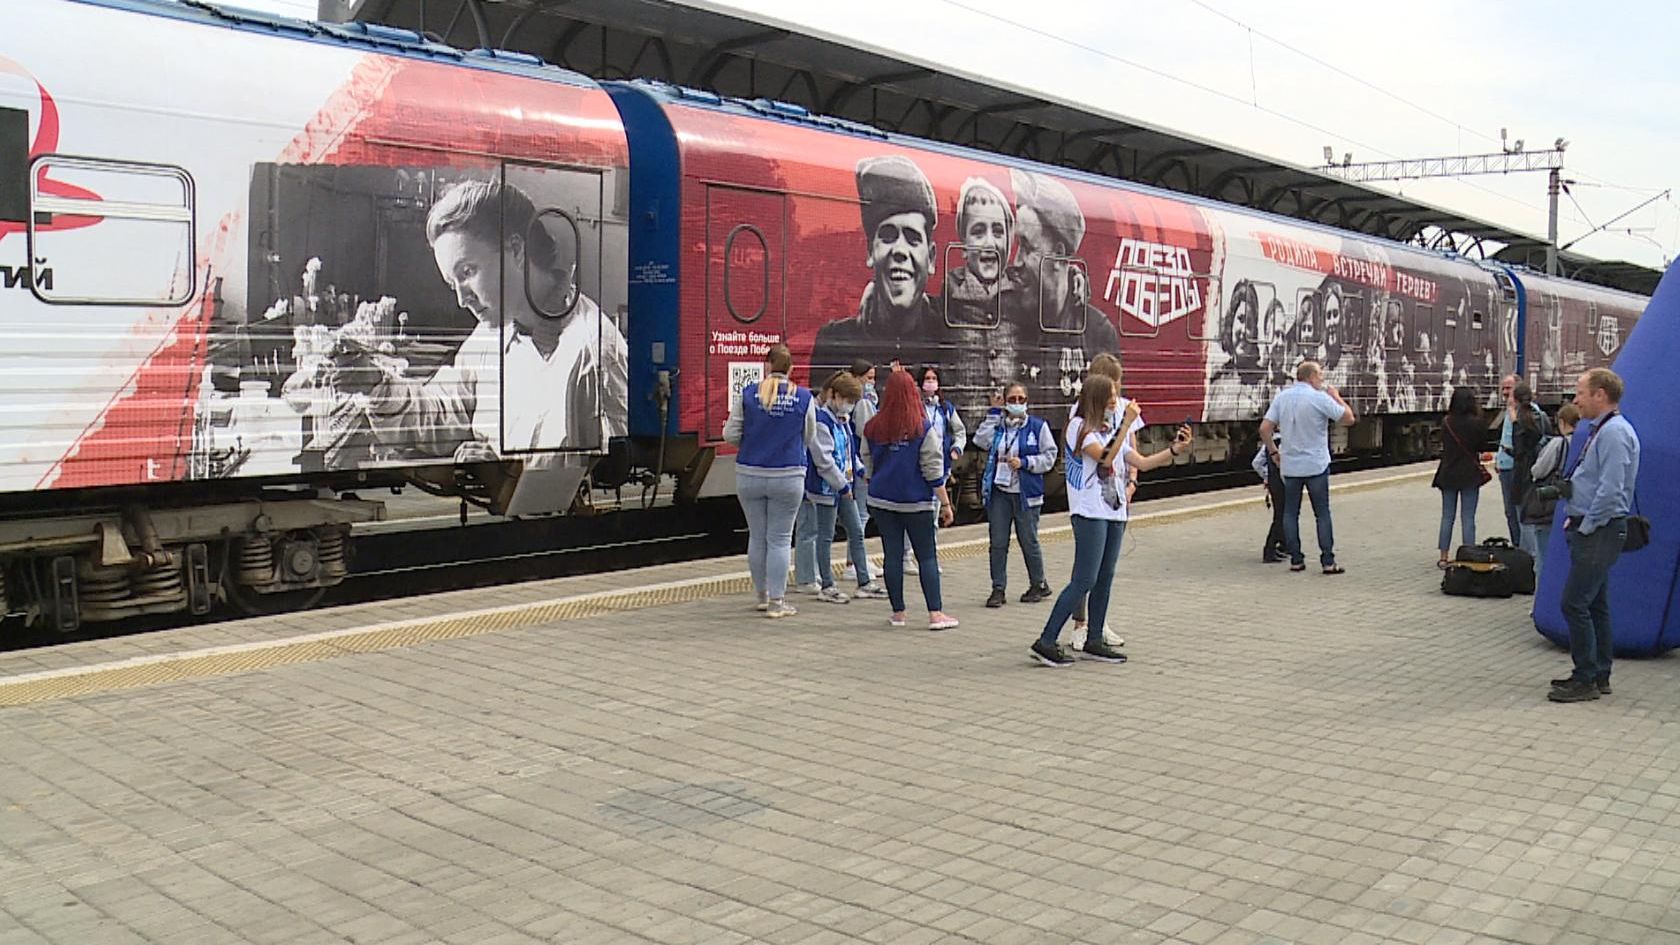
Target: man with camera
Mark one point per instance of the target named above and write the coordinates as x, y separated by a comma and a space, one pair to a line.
1599, 490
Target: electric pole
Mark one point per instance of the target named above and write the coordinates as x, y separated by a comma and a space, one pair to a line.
1511, 159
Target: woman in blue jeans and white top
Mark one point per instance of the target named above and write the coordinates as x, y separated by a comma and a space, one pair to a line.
773, 422
1098, 454
1020, 449
906, 484
831, 479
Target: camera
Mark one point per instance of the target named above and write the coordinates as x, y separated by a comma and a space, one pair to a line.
1562, 489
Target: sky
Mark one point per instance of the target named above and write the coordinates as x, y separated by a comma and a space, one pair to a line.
1285, 78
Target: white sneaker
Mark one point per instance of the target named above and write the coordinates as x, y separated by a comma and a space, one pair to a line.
910, 566
872, 589
1112, 638
812, 589
778, 609
850, 574
942, 622
897, 619
762, 605
832, 595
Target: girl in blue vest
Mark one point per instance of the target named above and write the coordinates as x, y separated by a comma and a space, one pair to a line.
831, 477
1098, 452
1020, 449
774, 423
907, 471
947, 426
862, 412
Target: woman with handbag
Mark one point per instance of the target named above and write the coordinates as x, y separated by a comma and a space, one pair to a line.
1461, 475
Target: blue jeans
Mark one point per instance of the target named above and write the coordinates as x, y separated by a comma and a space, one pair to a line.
1462, 501
813, 542
1586, 596
895, 526
771, 503
848, 511
1534, 542
1096, 549
1507, 491
1318, 490
1004, 509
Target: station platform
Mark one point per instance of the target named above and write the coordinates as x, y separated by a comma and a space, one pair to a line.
639, 757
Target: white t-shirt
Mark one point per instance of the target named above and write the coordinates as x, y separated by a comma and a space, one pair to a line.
1089, 495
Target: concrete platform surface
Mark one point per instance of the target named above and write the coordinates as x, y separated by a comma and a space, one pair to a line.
1287, 758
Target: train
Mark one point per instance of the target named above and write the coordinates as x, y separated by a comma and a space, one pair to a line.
254, 269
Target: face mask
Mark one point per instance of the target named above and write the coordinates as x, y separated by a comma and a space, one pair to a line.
841, 409
1016, 410
869, 389
930, 387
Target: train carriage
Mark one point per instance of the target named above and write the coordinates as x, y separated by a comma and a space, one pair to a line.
313, 258
302, 259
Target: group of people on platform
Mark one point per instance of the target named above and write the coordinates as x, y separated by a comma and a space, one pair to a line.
808, 462
1597, 488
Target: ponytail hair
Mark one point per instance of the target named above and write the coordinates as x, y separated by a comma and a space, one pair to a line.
780, 361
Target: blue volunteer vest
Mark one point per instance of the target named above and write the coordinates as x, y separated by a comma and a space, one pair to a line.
773, 438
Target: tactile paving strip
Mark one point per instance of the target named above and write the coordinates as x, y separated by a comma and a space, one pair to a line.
227, 661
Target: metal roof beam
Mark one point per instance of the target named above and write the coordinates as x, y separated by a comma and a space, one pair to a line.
707, 69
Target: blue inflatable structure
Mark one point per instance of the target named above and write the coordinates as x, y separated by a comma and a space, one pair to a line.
1644, 590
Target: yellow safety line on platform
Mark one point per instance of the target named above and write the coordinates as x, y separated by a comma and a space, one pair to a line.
241, 658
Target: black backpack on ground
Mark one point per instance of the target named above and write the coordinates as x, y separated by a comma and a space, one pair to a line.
1519, 564
1476, 579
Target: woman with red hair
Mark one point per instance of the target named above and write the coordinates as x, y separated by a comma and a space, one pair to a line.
906, 461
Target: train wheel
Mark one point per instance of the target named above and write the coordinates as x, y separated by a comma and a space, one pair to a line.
252, 604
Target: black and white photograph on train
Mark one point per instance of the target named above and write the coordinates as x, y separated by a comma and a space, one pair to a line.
412, 314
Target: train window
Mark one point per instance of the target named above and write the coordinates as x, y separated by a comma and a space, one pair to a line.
1344, 319
1423, 328
558, 223
1307, 306
1449, 331
14, 164
1063, 279
1146, 294
744, 247
1476, 320
1394, 325
1204, 312
127, 237
967, 303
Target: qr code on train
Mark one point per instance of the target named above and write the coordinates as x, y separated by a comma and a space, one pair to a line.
742, 373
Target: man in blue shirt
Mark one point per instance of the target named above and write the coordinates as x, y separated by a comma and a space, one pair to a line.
1600, 498
1302, 413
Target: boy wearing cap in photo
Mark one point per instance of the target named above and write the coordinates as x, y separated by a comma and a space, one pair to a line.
896, 318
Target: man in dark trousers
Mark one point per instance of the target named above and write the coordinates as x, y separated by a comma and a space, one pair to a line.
1276, 548
1600, 495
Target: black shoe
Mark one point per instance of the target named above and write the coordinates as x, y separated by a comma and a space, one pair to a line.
1103, 653
1602, 682
1036, 593
1269, 557
1574, 692
996, 600
1051, 655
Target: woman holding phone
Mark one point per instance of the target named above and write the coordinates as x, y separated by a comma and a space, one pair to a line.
1098, 452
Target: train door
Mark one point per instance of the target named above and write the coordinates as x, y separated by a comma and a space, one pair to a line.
1505, 321
746, 258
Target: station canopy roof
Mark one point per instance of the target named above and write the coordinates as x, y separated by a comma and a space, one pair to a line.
757, 57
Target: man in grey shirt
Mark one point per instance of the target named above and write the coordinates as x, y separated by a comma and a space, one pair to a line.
1302, 413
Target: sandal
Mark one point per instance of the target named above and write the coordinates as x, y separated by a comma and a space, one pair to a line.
1442, 564
1335, 569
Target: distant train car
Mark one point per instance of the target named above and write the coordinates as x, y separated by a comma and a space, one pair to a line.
302, 257
1570, 327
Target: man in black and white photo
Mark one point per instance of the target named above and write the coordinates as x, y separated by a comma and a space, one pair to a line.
561, 366
895, 318
1051, 307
